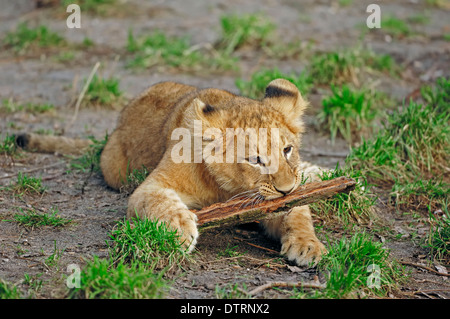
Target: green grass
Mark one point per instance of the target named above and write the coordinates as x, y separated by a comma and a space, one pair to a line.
102, 91
148, 242
34, 283
255, 87
31, 218
159, 49
431, 194
229, 251
350, 274
347, 208
141, 252
344, 66
356, 267
102, 280
25, 39
53, 259
8, 145
439, 236
247, 29
90, 161
395, 26
438, 96
347, 112
9, 106
415, 140
345, 3
92, 6
134, 179
27, 185
410, 150
9, 291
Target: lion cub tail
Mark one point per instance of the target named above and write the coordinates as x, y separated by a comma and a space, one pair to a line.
52, 144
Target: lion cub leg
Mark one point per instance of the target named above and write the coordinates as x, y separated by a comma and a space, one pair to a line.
164, 205
296, 232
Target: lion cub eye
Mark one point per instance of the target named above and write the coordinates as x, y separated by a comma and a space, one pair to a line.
287, 150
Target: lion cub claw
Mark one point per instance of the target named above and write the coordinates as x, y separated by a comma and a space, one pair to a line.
303, 251
186, 227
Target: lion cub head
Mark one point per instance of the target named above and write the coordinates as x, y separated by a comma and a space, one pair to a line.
253, 145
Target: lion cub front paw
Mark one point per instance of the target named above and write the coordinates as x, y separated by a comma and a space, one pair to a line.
303, 251
186, 226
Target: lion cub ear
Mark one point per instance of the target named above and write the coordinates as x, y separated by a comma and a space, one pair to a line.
284, 96
203, 110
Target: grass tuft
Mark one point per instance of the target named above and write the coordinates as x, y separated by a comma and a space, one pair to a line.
101, 280
347, 112
347, 208
416, 139
395, 26
412, 149
176, 52
27, 185
32, 219
358, 266
9, 106
148, 242
431, 194
102, 91
8, 290
8, 146
25, 39
247, 29
344, 66
439, 96
92, 6
439, 237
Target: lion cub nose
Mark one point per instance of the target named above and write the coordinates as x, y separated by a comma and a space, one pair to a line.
286, 188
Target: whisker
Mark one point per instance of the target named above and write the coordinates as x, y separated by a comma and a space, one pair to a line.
242, 200
245, 202
250, 199
260, 199
253, 198
254, 201
242, 194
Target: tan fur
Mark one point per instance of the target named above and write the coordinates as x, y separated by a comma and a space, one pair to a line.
53, 144
143, 138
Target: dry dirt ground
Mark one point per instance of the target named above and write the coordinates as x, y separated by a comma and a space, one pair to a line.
95, 209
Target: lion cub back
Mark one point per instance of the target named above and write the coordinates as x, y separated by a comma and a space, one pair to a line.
140, 137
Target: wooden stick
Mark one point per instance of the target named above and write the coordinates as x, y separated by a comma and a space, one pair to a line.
424, 267
235, 212
257, 246
82, 93
33, 170
269, 285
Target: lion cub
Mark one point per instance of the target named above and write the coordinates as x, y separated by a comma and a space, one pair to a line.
191, 137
